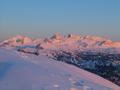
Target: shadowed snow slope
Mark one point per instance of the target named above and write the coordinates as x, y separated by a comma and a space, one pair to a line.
41, 73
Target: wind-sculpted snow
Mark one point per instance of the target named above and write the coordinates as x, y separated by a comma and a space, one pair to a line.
41, 73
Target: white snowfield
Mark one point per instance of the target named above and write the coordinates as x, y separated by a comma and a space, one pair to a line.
41, 73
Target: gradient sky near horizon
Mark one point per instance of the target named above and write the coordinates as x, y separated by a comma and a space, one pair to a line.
41, 18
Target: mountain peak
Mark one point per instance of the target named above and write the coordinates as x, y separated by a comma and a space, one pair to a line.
94, 38
73, 36
17, 40
57, 36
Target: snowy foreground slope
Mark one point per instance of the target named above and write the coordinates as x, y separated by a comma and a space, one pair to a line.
41, 73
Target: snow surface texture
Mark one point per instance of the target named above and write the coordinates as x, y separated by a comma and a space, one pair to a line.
41, 73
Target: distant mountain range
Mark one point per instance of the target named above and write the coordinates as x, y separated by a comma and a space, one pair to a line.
95, 54
69, 42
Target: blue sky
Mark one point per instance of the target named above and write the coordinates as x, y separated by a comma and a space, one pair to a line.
41, 18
